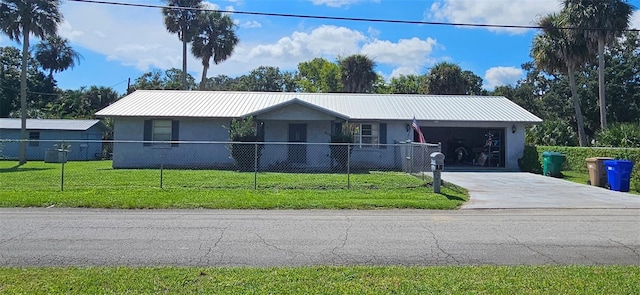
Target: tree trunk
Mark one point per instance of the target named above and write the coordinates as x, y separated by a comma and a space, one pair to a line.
23, 97
205, 68
184, 62
603, 105
582, 137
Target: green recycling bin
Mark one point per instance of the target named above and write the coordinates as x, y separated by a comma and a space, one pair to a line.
552, 163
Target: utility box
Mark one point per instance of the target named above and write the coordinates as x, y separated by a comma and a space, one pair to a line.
437, 161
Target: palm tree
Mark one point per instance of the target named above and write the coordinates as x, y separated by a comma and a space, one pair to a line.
183, 22
605, 20
19, 19
554, 52
56, 55
216, 38
356, 73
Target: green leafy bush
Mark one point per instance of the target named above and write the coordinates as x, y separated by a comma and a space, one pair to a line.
244, 154
552, 132
620, 135
340, 152
530, 161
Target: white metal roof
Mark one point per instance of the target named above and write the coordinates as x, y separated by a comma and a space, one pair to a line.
208, 104
48, 124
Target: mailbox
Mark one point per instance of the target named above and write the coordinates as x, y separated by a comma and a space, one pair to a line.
437, 161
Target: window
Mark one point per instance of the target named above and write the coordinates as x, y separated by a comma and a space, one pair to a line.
370, 134
34, 138
160, 130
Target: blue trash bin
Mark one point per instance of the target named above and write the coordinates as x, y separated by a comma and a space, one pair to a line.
619, 174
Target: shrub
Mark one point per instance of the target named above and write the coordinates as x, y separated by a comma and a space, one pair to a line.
244, 154
530, 161
620, 135
340, 152
552, 132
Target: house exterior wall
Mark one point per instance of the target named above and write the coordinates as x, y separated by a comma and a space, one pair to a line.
130, 152
134, 154
275, 152
90, 149
317, 155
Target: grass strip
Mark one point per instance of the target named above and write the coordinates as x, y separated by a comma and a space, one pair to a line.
325, 280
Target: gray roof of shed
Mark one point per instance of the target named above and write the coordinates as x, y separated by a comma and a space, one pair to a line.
50, 124
228, 104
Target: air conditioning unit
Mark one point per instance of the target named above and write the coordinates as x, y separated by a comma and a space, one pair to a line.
55, 156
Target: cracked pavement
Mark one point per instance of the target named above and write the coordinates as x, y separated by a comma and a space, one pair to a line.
94, 237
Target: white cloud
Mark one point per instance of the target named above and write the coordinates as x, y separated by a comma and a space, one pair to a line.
136, 37
635, 20
405, 52
328, 41
403, 71
250, 24
129, 35
373, 33
338, 3
66, 30
410, 55
498, 76
514, 12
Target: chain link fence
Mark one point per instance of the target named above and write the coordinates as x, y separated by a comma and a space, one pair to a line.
207, 165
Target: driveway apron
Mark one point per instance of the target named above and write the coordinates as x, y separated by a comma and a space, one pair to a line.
514, 190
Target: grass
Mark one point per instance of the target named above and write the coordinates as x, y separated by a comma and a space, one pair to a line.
582, 178
325, 280
575, 176
97, 185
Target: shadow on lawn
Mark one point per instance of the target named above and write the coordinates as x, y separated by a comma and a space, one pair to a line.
453, 198
17, 168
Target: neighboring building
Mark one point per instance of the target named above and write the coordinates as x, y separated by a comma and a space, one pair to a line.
463, 124
43, 134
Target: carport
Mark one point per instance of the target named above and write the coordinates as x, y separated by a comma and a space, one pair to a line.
471, 146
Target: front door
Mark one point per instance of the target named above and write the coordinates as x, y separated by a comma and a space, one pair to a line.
297, 152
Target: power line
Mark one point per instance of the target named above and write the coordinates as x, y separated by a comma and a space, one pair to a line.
374, 20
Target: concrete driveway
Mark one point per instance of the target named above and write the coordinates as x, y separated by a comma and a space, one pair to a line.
513, 190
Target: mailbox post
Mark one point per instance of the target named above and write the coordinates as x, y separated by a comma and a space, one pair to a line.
437, 165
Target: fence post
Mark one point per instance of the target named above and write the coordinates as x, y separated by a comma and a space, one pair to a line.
64, 160
255, 166
423, 150
412, 159
348, 165
161, 168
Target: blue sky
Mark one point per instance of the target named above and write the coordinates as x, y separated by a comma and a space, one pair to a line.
120, 42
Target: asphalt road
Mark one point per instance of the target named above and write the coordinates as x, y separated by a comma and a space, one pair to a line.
82, 237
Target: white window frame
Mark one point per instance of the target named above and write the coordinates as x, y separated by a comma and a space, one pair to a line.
161, 130
367, 134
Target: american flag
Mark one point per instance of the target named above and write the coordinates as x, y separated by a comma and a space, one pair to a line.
417, 129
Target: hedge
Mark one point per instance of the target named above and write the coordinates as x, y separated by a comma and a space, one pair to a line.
575, 159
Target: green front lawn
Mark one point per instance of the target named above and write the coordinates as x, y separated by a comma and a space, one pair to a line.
96, 185
325, 280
